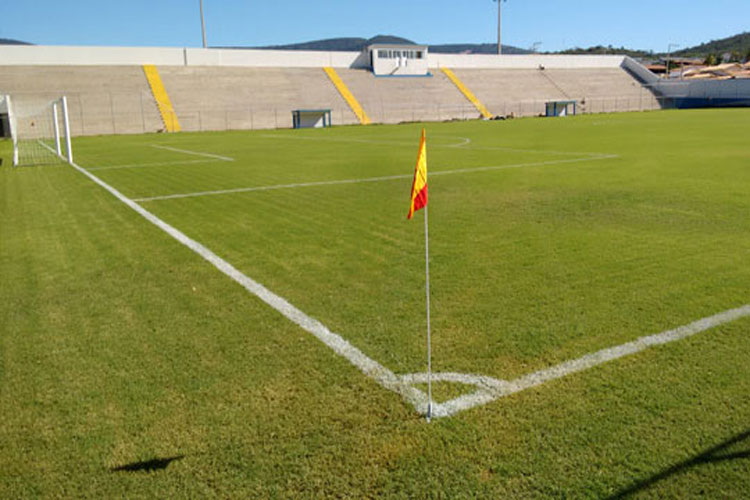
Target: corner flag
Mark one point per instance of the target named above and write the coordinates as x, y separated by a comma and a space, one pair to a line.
419, 201
419, 187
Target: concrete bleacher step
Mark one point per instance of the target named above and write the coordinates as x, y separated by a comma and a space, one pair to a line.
220, 98
407, 99
101, 99
467, 92
118, 99
352, 101
168, 115
610, 89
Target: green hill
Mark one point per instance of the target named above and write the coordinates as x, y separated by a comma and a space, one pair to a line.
10, 41
340, 44
608, 50
357, 44
737, 43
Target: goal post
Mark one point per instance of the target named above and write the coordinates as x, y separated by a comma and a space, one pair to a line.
39, 129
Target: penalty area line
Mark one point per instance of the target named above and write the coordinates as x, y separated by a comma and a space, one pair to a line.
367, 179
145, 165
194, 153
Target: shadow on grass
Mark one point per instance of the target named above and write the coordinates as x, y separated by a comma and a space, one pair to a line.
711, 455
148, 465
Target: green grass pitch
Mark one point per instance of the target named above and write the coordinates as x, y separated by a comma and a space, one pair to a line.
549, 240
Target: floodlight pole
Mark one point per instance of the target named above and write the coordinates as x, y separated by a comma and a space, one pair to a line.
203, 25
499, 26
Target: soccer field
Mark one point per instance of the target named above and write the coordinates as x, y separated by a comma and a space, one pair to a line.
555, 246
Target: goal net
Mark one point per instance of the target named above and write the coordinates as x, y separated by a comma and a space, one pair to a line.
40, 130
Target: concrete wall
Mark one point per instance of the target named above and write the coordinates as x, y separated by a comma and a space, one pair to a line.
533, 61
639, 71
12, 55
703, 93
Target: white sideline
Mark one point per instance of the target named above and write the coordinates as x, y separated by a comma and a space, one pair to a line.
338, 344
489, 388
194, 153
366, 179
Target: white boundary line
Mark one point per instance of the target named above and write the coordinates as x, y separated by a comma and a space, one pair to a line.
338, 344
491, 389
194, 153
366, 179
144, 165
462, 145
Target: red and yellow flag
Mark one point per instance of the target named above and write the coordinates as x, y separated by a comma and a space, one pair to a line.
419, 187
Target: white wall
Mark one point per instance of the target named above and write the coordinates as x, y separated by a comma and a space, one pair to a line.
13, 55
166, 56
274, 58
532, 61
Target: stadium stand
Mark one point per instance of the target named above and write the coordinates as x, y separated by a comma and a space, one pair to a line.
220, 98
161, 96
608, 89
352, 101
102, 99
520, 92
213, 89
405, 99
467, 93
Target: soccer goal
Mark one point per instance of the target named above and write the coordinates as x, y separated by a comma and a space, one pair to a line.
39, 129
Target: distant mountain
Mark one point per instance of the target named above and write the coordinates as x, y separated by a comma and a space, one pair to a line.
340, 44
8, 41
608, 50
358, 44
737, 43
475, 48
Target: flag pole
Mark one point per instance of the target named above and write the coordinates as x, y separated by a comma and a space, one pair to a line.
429, 340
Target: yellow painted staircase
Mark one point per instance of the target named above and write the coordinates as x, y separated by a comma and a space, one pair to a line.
348, 96
467, 93
168, 115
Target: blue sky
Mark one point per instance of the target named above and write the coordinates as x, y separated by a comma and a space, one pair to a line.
650, 25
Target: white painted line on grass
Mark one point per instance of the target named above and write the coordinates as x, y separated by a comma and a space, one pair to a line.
465, 141
144, 165
194, 153
269, 188
365, 179
338, 344
463, 144
488, 388
491, 389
